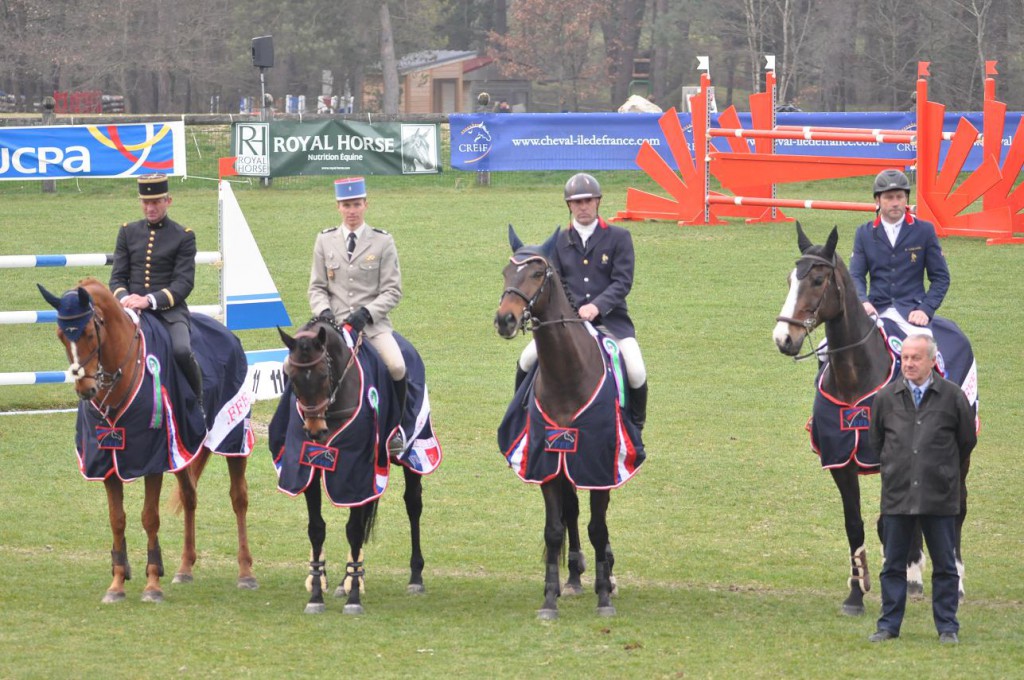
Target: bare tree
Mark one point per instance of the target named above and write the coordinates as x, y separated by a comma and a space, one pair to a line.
621, 29
389, 65
794, 20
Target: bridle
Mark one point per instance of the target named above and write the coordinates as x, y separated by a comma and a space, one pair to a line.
528, 321
106, 380
813, 321
321, 410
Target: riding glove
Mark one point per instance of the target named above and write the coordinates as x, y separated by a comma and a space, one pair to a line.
326, 315
358, 319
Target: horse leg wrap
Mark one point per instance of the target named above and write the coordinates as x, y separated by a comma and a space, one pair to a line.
322, 574
859, 570
601, 580
353, 571
354, 574
551, 580
119, 558
580, 562
156, 559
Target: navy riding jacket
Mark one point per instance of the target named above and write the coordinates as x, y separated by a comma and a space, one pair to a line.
897, 273
600, 274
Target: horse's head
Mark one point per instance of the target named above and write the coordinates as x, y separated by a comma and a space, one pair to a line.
527, 276
316, 367
479, 130
78, 328
814, 295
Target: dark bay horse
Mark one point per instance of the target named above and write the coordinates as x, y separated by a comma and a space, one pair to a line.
858, 362
331, 433
131, 425
574, 434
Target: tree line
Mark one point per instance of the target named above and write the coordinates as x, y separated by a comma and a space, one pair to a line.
189, 56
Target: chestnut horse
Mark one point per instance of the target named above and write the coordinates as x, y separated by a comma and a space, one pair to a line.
857, 363
585, 440
331, 433
114, 358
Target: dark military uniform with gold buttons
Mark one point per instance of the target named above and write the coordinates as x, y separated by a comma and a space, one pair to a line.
158, 261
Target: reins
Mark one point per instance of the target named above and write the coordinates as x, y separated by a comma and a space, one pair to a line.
106, 381
528, 320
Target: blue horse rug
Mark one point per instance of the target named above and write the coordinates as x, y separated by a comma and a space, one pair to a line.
354, 459
839, 431
601, 449
159, 428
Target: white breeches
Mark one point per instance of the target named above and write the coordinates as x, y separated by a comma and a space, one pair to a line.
636, 372
388, 350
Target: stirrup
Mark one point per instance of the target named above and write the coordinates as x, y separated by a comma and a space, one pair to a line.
396, 445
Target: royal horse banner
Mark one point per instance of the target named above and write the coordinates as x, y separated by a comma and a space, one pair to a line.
610, 141
335, 147
73, 151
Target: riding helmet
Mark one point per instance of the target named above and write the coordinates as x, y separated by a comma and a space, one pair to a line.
582, 185
887, 180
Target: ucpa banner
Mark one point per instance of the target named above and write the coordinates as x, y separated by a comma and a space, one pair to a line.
284, 148
64, 151
610, 141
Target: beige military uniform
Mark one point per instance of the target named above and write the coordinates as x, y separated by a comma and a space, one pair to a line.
370, 278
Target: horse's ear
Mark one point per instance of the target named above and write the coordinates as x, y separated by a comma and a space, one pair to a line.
801, 238
84, 298
549, 246
288, 340
830, 244
49, 297
321, 336
513, 238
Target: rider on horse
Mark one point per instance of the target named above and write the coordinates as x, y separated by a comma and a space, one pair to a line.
896, 249
155, 268
355, 277
595, 261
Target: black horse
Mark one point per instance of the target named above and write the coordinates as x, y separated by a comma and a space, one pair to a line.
331, 432
568, 426
857, 362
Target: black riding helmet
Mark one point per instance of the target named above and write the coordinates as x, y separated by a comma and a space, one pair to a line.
888, 180
582, 185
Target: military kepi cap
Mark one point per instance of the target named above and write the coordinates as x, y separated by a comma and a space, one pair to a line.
349, 187
152, 186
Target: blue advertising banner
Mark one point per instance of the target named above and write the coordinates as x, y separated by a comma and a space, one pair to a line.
552, 141
66, 151
610, 141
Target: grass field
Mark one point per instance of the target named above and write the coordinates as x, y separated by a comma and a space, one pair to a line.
731, 555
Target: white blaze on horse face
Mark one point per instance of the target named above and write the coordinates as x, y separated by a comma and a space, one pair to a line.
520, 268
75, 369
781, 333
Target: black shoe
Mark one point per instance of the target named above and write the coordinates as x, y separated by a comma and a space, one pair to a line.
882, 635
948, 639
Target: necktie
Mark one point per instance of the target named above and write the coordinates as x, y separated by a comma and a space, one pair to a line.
917, 396
351, 244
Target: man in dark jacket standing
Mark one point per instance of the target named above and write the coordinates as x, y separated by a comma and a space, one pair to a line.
924, 430
155, 270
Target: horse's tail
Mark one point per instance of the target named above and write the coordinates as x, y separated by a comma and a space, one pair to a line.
369, 519
195, 471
